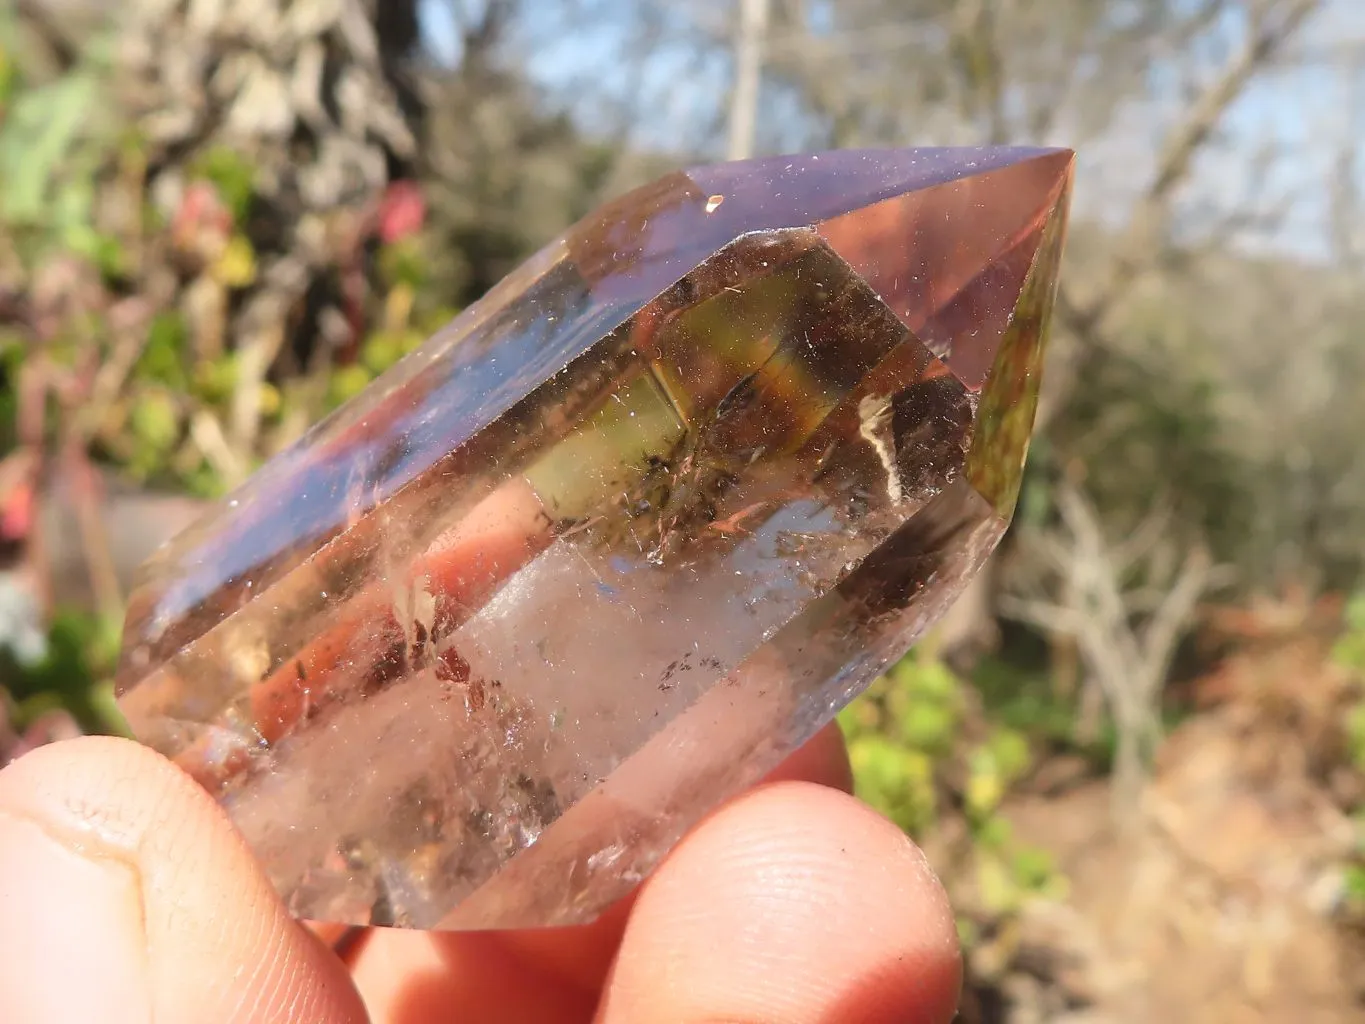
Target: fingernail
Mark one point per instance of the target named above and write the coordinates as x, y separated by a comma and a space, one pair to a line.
73, 944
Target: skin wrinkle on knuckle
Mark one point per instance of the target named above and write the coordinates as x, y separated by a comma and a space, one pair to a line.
215, 945
99, 829
140, 809
115, 858
121, 819
90, 844
65, 794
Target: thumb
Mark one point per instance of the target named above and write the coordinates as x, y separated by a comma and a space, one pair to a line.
127, 896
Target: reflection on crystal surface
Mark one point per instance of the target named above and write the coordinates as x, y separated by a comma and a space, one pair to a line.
481, 647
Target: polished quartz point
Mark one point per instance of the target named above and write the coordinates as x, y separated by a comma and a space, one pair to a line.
484, 644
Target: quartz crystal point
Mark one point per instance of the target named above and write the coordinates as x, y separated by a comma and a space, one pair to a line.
481, 647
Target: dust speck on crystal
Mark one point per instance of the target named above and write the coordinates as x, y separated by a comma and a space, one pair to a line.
713, 203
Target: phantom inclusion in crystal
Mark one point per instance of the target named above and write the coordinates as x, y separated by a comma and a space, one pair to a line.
482, 646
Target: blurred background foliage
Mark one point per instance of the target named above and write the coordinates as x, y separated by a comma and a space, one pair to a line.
218, 221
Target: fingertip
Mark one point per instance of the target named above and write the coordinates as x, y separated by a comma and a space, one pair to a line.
793, 903
117, 869
414, 977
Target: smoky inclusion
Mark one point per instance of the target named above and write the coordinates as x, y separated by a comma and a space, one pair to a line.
479, 649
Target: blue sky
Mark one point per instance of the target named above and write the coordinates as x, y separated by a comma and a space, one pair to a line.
1303, 112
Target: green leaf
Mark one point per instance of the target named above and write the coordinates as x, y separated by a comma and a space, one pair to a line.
860, 716
985, 785
1349, 650
162, 359
928, 726
346, 382
236, 266
996, 885
1355, 735
39, 131
1355, 613
155, 421
968, 932
204, 482
9, 79
381, 350
1010, 750
404, 262
927, 679
1355, 884
994, 833
896, 781
215, 379
105, 709
232, 175
434, 319
1034, 868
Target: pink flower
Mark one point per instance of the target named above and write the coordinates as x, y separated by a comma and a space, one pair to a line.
201, 217
16, 512
402, 211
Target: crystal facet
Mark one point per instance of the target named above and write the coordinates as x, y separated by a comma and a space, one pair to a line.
481, 647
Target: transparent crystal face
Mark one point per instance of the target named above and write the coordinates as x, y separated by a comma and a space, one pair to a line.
481, 647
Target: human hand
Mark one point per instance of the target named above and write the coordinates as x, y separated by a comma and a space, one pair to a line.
125, 895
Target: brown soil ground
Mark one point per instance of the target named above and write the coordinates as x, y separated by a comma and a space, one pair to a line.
1220, 906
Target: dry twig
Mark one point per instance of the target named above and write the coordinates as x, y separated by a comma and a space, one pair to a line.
1127, 635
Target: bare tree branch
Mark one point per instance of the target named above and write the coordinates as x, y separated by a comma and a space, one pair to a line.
1174, 614
1127, 649
1273, 24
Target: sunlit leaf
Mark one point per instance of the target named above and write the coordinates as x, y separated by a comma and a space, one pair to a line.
37, 134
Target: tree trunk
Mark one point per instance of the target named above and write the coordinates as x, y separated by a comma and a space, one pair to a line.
753, 27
